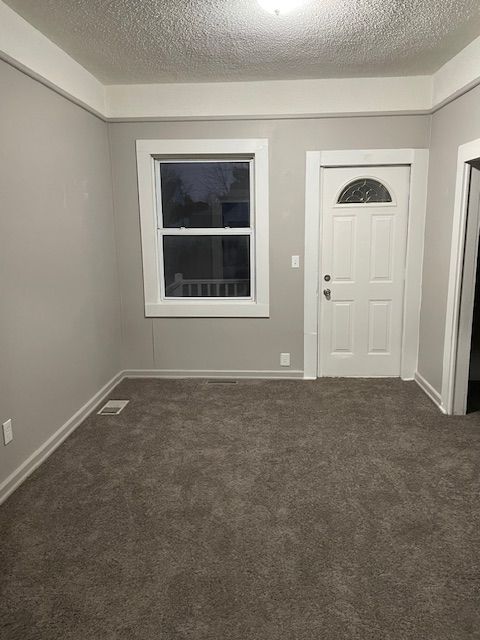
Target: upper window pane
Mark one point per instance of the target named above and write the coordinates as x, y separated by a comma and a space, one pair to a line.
205, 194
364, 190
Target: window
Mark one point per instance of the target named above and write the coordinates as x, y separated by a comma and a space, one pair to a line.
364, 190
204, 223
213, 198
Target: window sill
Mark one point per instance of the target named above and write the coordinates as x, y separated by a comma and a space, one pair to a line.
219, 309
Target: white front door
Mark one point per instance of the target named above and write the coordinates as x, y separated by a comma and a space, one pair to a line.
363, 238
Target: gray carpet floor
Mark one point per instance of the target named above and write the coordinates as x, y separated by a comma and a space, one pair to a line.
265, 510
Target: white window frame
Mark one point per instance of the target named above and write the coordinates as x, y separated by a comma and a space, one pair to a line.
156, 304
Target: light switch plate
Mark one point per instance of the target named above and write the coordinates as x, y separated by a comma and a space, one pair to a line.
295, 262
7, 432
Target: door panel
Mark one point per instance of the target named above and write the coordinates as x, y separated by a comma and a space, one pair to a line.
362, 250
343, 246
382, 255
342, 325
379, 326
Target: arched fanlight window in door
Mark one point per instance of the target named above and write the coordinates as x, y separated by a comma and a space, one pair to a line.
364, 190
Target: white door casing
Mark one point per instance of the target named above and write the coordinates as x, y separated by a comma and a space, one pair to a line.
455, 355
417, 160
467, 296
363, 250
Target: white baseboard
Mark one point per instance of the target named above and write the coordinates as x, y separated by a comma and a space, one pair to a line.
430, 391
286, 374
27, 467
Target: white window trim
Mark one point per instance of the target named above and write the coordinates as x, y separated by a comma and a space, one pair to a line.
147, 152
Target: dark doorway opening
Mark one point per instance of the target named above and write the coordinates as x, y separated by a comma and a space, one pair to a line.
473, 396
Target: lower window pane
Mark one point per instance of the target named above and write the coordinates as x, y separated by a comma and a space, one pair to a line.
207, 266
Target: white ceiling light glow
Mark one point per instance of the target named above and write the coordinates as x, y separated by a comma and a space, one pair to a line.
279, 7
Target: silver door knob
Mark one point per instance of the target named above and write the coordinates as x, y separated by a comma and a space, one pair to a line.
327, 293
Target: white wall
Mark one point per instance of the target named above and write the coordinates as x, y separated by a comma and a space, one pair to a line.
273, 98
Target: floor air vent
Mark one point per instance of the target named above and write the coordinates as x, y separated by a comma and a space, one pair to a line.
213, 381
113, 407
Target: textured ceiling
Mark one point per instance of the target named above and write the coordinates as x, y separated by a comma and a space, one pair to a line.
144, 41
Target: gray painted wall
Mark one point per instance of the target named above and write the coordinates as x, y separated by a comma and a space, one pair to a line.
60, 329
455, 124
238, 344
59, 296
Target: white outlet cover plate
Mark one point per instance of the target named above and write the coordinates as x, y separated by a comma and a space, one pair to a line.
7, 432
284, 359
295, 262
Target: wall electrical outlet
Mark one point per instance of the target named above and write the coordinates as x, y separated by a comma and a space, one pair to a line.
295, 262
7, 432
284, 359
